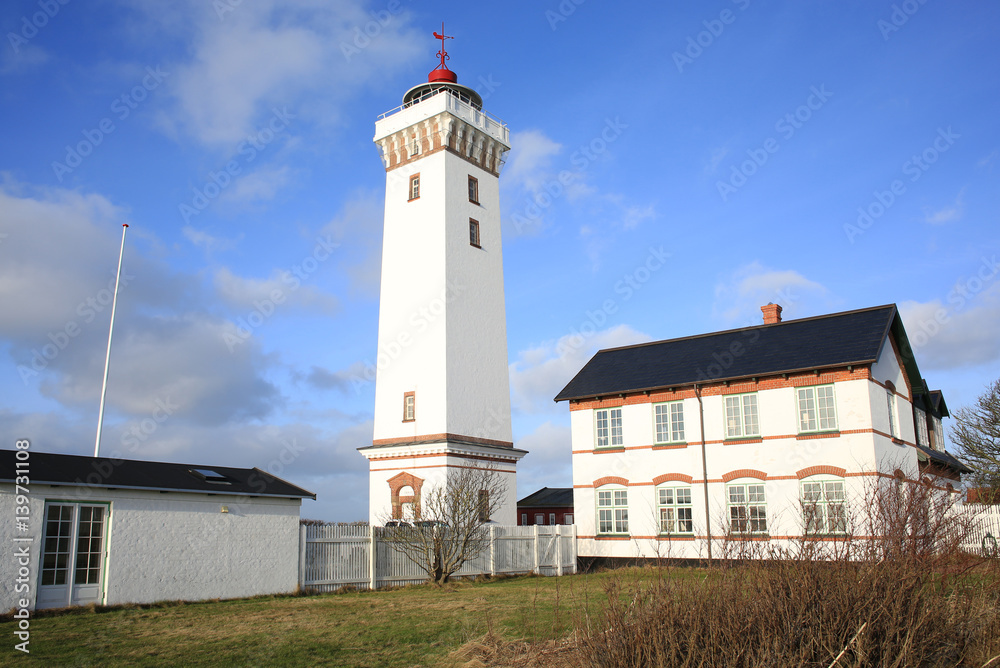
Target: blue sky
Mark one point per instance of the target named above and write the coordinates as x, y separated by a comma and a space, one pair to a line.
719, 156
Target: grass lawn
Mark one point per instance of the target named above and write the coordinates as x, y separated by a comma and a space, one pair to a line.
415, 626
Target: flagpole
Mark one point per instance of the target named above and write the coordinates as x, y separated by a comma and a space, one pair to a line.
107, 359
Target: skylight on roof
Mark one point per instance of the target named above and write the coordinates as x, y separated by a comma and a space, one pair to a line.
209, 475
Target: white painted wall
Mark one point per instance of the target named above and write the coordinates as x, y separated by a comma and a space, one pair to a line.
430, 463
781, 455
442, 323
175, 545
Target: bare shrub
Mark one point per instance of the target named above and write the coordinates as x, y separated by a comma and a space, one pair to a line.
893, 591
453, 526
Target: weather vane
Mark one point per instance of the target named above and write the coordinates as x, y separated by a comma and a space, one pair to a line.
442, 54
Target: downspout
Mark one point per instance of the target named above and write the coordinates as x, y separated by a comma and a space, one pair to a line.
704, 469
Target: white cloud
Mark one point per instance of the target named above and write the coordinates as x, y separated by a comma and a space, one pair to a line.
530, 163
948, 214
358, 228
208, 242
22, 59
712, 163
281, 288
540, 372
261, 185
739, 296
944, 336
300, 54
549, 462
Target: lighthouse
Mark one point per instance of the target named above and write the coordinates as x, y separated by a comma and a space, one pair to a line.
442, 391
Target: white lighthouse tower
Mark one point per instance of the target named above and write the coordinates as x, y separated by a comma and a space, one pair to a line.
442, 393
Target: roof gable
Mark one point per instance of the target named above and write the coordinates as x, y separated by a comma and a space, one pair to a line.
49, 468
839, 339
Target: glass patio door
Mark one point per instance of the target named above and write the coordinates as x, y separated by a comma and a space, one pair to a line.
73, 555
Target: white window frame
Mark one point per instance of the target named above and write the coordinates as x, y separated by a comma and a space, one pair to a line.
890, 398
540, 519
409, 406
668, 422
816, 407
608, 427
824, 502
923, 434
568, 518
675, 510
612, 511
746, 503
938, 434
744, 421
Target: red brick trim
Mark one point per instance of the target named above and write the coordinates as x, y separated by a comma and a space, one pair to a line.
672, 477
821, 470
432, 438
825, 434
610, 480
744, 473
397, 483
444, 466
798, 379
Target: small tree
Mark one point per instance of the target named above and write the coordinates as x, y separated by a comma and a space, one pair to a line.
453, 523
977, 435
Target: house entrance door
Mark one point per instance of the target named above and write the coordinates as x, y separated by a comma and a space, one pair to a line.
73, 555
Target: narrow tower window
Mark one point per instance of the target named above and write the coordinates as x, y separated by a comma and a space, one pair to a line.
409, 406
414, 186
414, 146
474, 233
474, 190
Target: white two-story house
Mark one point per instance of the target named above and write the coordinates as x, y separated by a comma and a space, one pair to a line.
683, 442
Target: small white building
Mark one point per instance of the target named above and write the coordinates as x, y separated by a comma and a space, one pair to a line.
681, 442
111, 531
442, 390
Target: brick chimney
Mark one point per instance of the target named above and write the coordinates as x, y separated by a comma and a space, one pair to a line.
772, 314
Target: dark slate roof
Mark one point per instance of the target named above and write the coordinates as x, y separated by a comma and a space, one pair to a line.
47, 468
945, 459
839, 339
548, 497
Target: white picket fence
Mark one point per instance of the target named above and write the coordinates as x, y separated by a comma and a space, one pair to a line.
331, 557
986, 521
